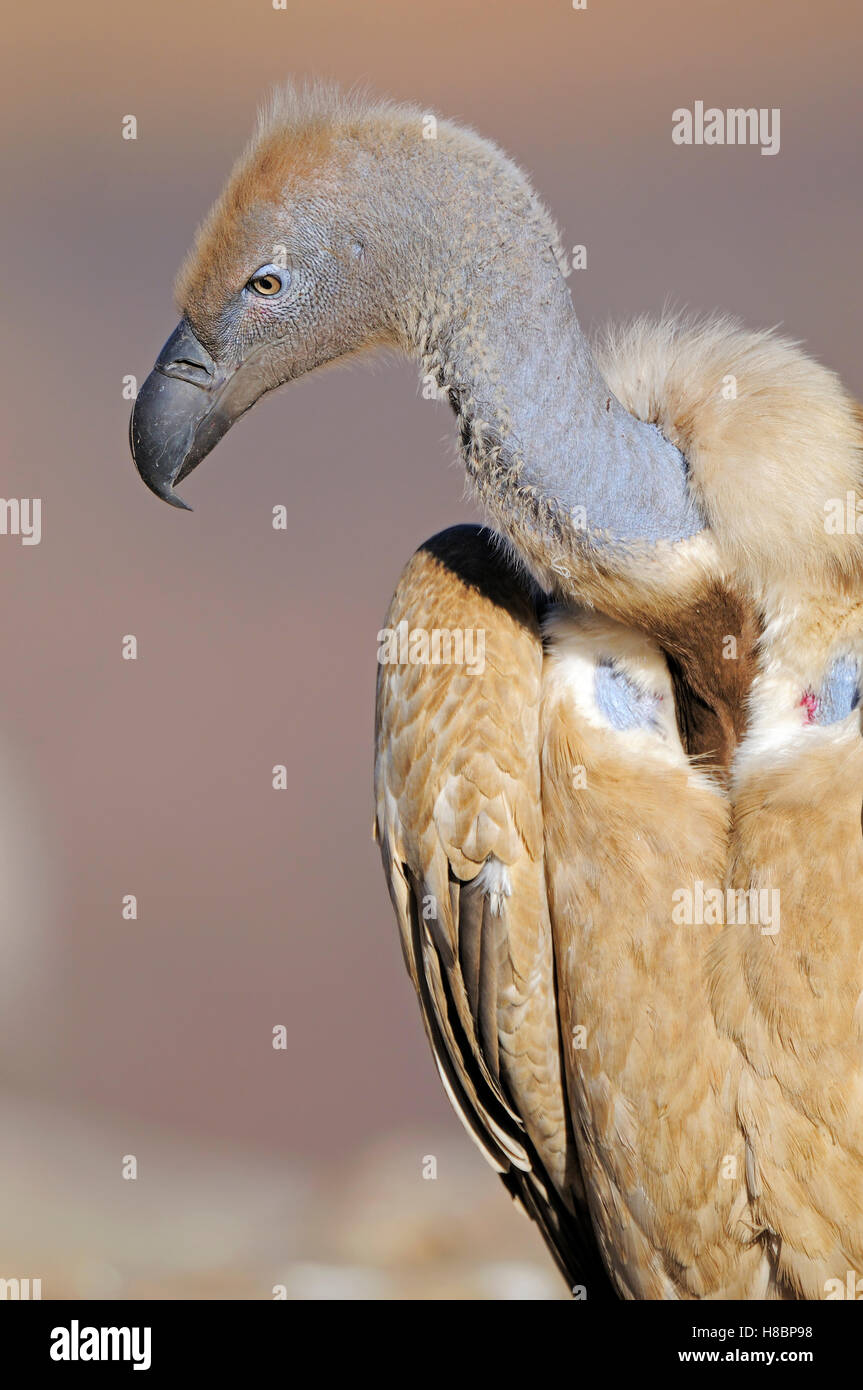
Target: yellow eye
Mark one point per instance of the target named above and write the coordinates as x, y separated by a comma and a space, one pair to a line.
267, 282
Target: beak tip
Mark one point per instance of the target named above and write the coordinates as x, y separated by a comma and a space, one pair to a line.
161, 487
175, 500
166, 493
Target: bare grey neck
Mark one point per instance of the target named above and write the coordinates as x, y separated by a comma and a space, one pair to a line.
492, 322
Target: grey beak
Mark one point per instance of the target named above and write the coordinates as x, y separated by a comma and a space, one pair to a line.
182, 410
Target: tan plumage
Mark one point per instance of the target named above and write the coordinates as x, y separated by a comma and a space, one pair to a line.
457, 781
653, 1084
793, 1002
457, 778
715, 1095
667, 708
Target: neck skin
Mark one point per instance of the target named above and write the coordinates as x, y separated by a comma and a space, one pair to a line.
591, 499
488, 313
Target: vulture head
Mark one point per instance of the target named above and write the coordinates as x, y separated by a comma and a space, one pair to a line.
297, 264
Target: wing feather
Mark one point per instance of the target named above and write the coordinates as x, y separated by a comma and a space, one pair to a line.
459, 823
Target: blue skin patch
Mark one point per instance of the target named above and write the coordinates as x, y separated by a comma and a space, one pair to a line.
623, 703
840, 693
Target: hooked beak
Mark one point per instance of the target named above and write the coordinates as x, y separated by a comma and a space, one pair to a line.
184, 407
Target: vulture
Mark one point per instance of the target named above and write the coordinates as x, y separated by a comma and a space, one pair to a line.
618, 763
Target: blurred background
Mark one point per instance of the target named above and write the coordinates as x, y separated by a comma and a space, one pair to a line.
153, 1037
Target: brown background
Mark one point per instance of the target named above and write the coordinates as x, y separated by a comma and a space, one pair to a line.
258, 647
